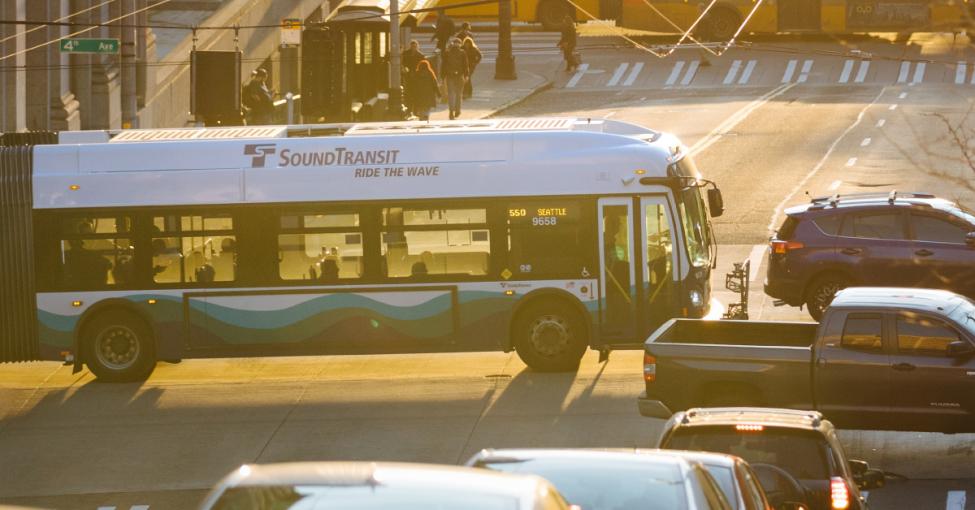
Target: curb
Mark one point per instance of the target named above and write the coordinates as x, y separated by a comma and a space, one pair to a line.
542, 87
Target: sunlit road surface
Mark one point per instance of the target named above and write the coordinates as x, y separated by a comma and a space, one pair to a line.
67, 442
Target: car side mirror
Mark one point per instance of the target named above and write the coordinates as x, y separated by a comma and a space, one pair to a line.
716, 205
960, 348
858, 467
871, 479
970, 239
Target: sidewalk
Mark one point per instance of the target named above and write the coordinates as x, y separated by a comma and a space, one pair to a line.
492, 96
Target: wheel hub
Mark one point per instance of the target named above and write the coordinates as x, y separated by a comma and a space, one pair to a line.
117, 347
550, 335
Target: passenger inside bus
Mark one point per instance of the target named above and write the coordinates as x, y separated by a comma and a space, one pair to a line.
225, 262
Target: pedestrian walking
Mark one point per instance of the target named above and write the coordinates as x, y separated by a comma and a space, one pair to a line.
443, 31
473, 58
257, 99
411, 57
426, 91
455, 72
568, 44
465, 31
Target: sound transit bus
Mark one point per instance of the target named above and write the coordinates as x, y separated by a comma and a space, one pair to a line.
815, 16
544, 236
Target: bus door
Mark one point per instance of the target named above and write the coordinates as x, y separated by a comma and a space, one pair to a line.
799, 15
616, 268
658, 283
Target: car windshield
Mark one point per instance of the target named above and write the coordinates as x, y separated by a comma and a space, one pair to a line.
607, 484
802, 453
726, 481
359, 497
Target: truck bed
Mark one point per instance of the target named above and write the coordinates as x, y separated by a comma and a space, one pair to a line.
772, 334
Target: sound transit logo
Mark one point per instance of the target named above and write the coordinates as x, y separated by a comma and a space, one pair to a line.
260, 151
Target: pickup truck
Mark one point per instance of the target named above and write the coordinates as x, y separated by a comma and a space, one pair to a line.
881, 358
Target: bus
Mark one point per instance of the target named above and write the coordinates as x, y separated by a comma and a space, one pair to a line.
806, 16
550, 13
546, 236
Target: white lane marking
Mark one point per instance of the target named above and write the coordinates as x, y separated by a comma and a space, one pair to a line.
865, 142
634, 72
789, 70
106, 508
578, 76
851, 161
610, 114
822, 162
892, 107
835, 185
691, 71
956, 500
919, 72
732, 72
675, 72
881, 122
960, 71
618, 74
862, 71
737, 117
755, 260
748, 72
905, 69
902, 95
847, 69
804, 74
139, 507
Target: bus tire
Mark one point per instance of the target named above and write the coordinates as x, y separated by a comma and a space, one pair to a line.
720, 24
552, 12
119, 347
820, 293
550, 337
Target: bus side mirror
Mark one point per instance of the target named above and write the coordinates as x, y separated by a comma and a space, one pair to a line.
715, 202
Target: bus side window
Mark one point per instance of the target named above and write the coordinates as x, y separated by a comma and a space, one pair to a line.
324, 247
422, 242
96, 252
193, 249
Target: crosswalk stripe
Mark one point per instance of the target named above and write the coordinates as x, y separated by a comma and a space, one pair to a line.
905, 69
919, 72
960, 72
732, 72
578, 76
675, 72
139, 507
862, 71
804, 74
847, 69
748, 72
955, 501
789, 70
618, 74
634, 72
691, 71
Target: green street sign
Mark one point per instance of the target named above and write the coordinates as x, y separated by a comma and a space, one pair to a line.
76, 45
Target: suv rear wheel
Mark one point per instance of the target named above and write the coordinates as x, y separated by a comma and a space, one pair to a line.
821, 292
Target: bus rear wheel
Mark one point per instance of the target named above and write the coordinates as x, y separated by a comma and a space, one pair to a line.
119, 347
720, 24
550, 337
551, 13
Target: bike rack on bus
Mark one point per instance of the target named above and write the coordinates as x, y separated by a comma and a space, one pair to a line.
737, 281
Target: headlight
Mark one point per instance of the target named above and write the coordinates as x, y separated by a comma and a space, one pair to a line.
696, 298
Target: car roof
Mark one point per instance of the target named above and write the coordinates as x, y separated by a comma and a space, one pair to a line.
383, 473
936, 301
648, 455
765, 416
872, 200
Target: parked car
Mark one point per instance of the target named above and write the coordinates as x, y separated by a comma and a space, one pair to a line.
367, 485
614, 479
881, 358
738, 482
895, 239
798, 459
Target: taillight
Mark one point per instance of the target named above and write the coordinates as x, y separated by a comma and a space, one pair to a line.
649, 368
839, 493
783, 247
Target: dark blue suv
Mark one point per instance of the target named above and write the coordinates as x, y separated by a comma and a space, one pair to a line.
895, 239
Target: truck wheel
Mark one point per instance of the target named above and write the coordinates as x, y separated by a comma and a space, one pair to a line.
119, 347
821, 292
550, 337
719, 25
552, 12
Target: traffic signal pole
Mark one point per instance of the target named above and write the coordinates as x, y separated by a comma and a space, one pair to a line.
504, 66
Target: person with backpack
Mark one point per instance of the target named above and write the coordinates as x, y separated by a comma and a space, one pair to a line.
257, 99
568, 44
455, 71
473, 58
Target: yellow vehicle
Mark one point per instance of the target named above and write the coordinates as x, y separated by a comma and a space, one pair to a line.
549, 13
813, 16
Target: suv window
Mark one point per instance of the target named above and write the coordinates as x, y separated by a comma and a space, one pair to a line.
921, 335
876, 225
862, 331
830, 225
937, 230
787, 229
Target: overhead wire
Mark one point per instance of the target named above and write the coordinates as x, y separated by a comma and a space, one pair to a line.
69, 16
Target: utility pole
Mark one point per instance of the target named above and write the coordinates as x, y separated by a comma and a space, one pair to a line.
130, 93
504, 66
395, 107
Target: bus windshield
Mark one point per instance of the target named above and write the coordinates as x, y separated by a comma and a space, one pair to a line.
693, 215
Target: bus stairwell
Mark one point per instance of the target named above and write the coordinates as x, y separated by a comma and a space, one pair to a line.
18, 302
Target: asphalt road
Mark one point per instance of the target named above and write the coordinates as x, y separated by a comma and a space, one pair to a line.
68, 442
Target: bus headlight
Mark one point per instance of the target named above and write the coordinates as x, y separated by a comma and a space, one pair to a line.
696, 298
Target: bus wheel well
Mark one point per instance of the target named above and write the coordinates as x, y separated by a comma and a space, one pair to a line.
117, 344
548, 298
550, 13
720, 24
730, 394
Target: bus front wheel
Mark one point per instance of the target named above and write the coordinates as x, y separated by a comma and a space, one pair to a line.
550, 337
551, 14
119, 347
